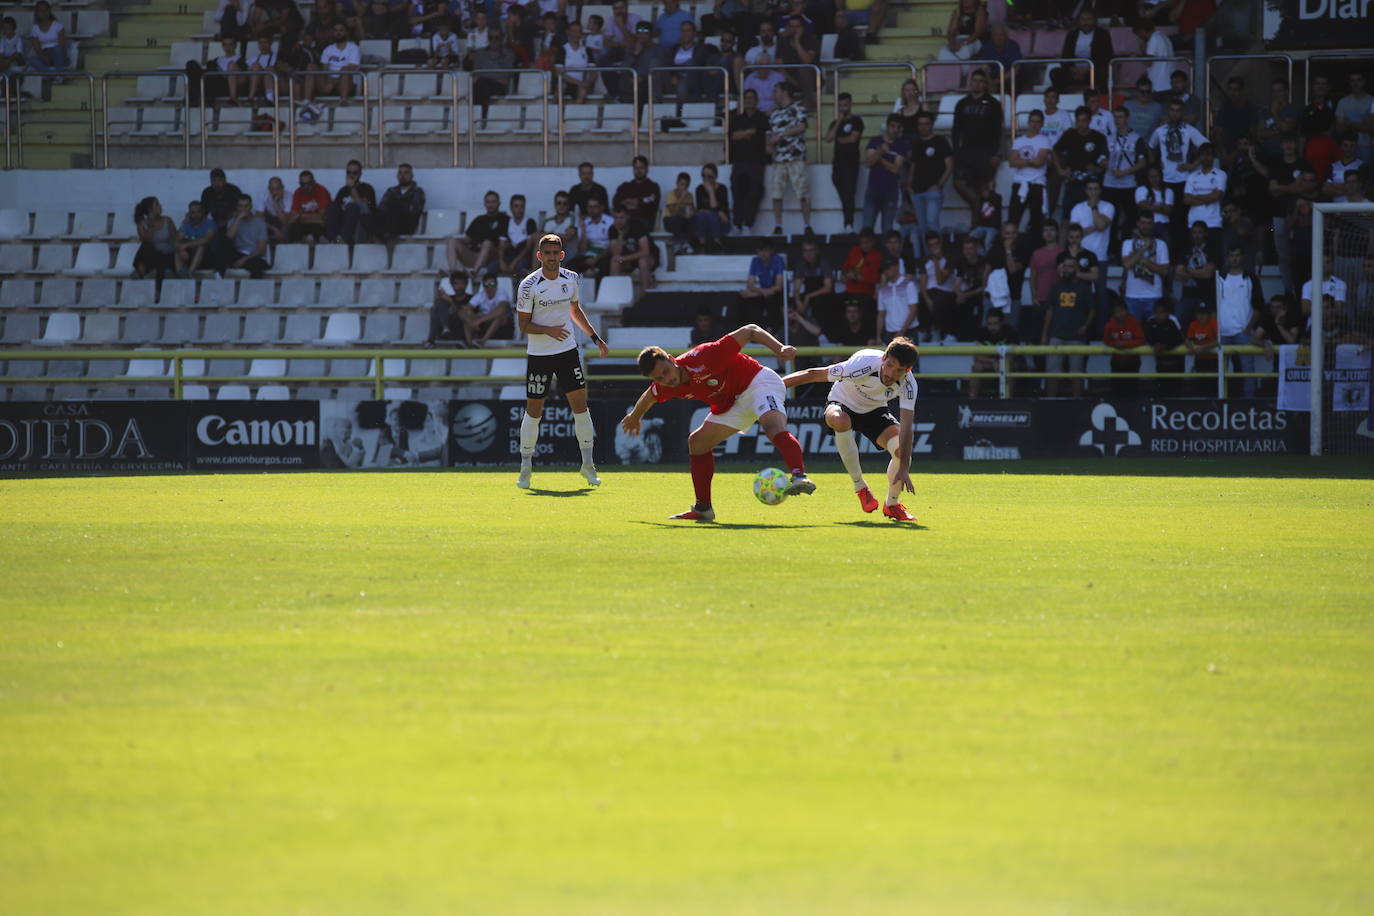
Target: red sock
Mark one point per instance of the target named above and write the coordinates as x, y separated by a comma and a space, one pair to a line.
790, 450
703, 469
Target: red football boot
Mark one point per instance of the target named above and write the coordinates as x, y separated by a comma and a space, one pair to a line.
866, 500
897, 512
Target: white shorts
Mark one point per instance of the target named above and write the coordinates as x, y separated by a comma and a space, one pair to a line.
766, 392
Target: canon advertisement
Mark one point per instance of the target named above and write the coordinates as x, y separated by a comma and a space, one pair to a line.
255, 434
93, 436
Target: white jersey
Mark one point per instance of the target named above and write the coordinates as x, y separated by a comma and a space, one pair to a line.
549, 302
858, 387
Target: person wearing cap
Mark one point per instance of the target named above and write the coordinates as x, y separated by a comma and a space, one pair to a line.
487, 312
220, 200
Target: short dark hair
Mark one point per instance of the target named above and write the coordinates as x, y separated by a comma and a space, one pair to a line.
1181, 74
932, 234
902, 350
585, 165
1036, 113
894, 118
519, 197
1082, 110
353, 162
638, 159
844, 97
648, 358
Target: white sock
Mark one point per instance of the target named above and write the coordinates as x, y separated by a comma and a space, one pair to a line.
585, 435
529, 437
894, 493
849, 454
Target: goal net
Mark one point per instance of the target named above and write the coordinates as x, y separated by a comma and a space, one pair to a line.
1341, 353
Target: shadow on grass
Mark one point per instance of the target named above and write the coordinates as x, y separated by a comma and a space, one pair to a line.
873, 523
733, 526
580, 491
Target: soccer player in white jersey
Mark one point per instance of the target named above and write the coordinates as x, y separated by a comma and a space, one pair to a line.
863, 386
547, 307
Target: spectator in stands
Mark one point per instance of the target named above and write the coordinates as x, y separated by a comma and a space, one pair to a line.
232, 17
787, 142
352, 216
728, 56
1089, 41
275, 209
1044, 271
478, 247
260, 65
1203, 191
218, 78
158, 237
13, 60
857, 329
385, 19
220, 199
705, 327
1190, 104
869, 14
848, 44
1156, 199
667, 29
679, 212
798, 46
445, 48
1079, 155
594, 239
1002, 48
996, 332
1174, 146
620, 30
886, 159
1068, 319
1143, 112
495, 56
845, 133
987, 218
908, 107
1278, 118
1238, 229
965, 32
631, 248
1287, 184
641, 195
1235, 118
765, 44
516, 257
1145, 267
1163, 333
971, 276
324, 15
1010, 253
1246, 185
861, 268
798, 8
1352, 114
1030, 155
1127, 159
445, 318
1154, 43
1196, 270
296, 55
486, 313
48, 42
642, 56
712, 220
763, 81
573, 55
760, 302
308, 206
1349, 162
562, 222
932, 164
248, 232
1124, 332
1319, 116
894, 248
402, 205
423, 17
1094, 215
813, 285
897, 304
587, 189
1240, 301
937, 282
197, 235
748, 132
977, 139
1201, 339
1087, 266
338, 63
689, 51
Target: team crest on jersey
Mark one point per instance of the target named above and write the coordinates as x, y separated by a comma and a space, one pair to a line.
712, 382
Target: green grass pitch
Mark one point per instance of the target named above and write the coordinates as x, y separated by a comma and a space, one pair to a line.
1093, 688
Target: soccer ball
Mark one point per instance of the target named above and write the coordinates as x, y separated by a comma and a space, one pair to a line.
770, 486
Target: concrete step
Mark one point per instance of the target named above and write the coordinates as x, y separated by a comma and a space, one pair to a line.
165, 27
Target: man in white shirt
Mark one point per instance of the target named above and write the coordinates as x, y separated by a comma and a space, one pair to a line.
1239, 303
1145, 266
1126, 159
593, 238
1030, 156
1174, 146
1349, 162
897, 299
1095, 216
1098, 119
1202, 193
340, 60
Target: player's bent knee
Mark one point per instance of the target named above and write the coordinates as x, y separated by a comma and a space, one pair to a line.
838, 420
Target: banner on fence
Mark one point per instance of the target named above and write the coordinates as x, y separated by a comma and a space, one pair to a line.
255, 434
93, 436
1348, 379
1305, 24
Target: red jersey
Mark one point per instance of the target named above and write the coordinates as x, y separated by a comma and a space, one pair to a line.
716, 373
1203, 335
316, 202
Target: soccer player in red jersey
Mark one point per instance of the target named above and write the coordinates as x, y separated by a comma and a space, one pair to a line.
739, 392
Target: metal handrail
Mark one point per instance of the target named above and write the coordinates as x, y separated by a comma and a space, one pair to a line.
1207, 81
105, 109
1140, 59
1327, 55
634, 95
839, 67
276, 118
820, 131
474, 76
381, 106
725, 90
1092, 78
5, 88
974, 65
90, 106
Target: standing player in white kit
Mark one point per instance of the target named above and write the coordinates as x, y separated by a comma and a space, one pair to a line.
547, 307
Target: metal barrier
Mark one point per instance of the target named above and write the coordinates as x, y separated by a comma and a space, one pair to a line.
973, 65
545, 78
105, 109
1207, 96
1111, 70
840, 67
378, 378
276, 117
1325, 55
634, 96
90, 110
725, 94
381, 106
1092, 78
5, 98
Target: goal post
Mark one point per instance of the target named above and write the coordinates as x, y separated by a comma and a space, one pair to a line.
1342, 233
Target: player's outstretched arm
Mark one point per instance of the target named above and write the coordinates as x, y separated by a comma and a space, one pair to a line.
804, 377
630, 423
752, 333
905, 436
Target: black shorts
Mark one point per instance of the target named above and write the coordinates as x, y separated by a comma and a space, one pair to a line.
974, 168
872, 424
565, 366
